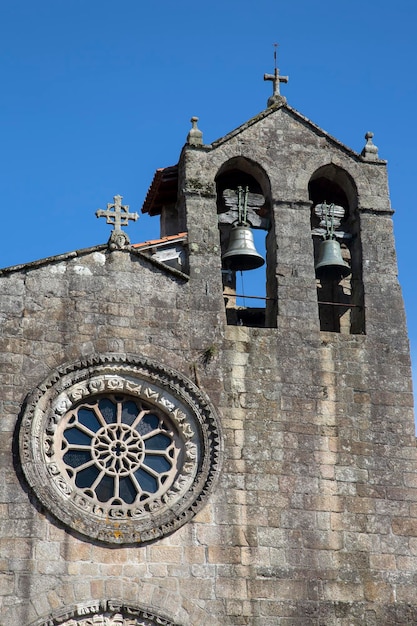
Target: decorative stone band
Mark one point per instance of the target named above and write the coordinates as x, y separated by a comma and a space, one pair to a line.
103, 613
120, 448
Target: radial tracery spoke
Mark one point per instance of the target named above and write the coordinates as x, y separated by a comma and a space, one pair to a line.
117, 486
83, 466
136, 483
130, 438
152, 433
119, 412
149, 470
111, 435
84, 429
102, 453
99, 416
98, 480
139, 418
158, 452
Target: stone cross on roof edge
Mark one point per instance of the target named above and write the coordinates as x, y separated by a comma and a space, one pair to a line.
276, 97
117, 215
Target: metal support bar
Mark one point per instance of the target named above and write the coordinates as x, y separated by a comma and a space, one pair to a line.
237, 295
348, 306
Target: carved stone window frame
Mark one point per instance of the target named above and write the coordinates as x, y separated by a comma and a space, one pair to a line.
172, 395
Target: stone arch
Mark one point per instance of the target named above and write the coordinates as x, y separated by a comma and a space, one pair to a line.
337, 182
142, 604
341, 302
241, 171
105, 613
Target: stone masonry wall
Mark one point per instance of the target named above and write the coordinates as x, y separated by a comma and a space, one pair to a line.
313, 520
98, 302
327, 459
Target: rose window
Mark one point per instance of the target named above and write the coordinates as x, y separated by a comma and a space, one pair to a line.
119, 448
118, 451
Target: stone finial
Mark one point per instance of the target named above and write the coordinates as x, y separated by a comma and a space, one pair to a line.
195, 136
118, 216
370, 151
276, 97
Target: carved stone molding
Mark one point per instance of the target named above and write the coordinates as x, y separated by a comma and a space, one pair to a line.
120, 448
103, 613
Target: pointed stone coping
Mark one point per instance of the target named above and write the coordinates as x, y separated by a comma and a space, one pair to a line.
86, 251
303, 120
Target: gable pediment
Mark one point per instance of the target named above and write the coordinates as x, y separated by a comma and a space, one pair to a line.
282, 112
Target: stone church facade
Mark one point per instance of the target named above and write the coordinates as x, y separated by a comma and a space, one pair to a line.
172, 457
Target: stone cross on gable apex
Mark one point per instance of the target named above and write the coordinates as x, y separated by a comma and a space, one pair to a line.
276, 80
117, 215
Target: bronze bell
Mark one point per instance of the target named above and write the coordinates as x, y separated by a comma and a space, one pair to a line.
241, 253
330, 263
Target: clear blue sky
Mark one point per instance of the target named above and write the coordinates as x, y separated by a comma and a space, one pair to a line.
96, 95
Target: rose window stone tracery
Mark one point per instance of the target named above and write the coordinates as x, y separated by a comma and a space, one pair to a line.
120, 448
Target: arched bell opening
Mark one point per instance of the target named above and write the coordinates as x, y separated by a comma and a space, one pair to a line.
335, 228
247, 243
